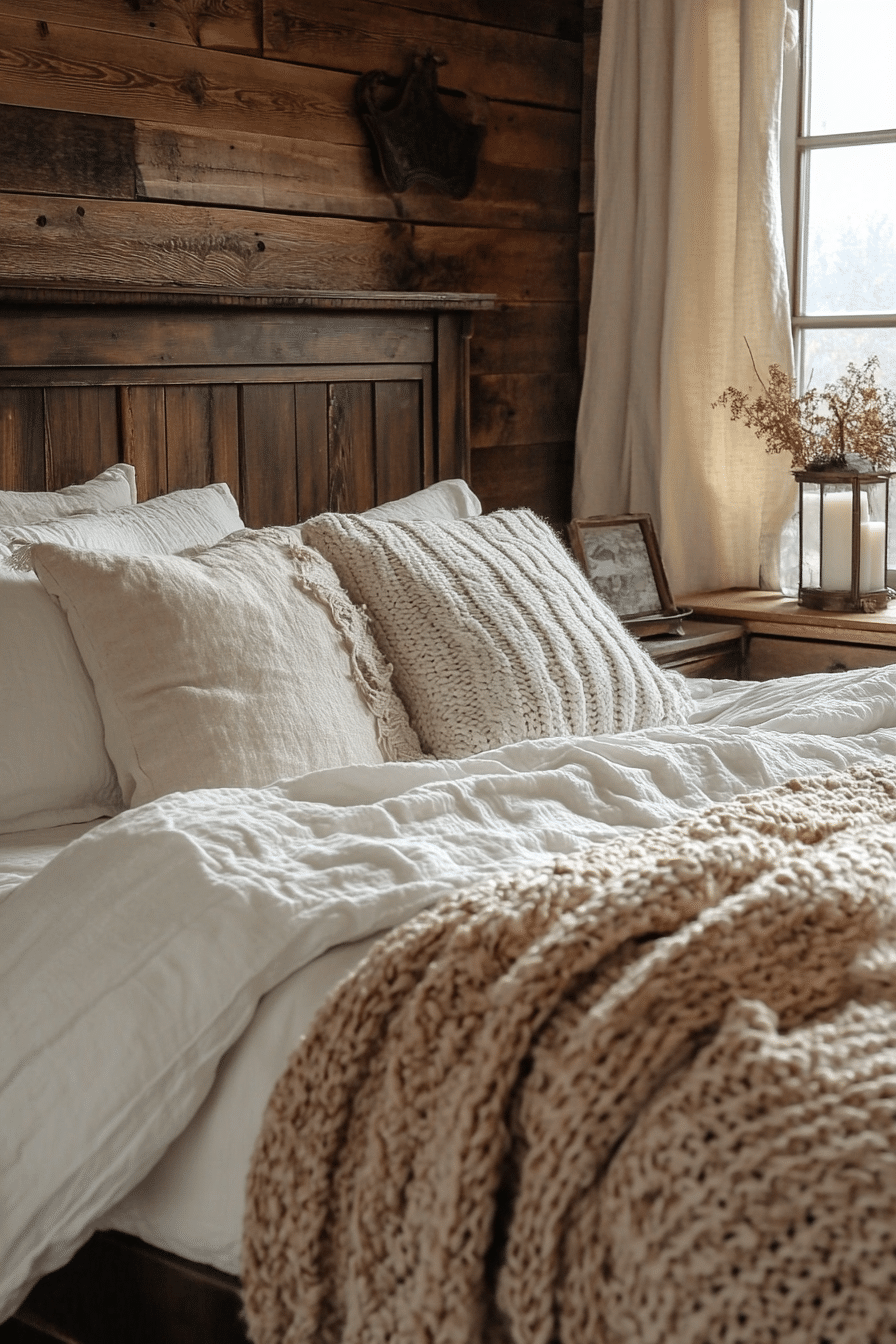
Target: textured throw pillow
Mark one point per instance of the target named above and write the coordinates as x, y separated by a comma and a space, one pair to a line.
114, 488
440, 502
160, 526
54, 767
494, 634
235, 666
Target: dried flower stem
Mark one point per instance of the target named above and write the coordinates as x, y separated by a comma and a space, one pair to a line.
818, 429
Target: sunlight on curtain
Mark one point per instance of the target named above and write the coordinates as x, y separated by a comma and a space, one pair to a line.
689, 264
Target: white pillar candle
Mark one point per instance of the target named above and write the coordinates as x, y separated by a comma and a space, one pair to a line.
873, 542
836, 541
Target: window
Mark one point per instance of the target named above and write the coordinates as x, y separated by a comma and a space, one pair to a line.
845, 260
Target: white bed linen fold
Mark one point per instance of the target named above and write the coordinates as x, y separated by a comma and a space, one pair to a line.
136, 958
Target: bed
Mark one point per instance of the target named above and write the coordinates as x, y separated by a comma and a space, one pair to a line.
513, 847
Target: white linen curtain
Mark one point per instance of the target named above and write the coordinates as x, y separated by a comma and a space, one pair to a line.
689, 264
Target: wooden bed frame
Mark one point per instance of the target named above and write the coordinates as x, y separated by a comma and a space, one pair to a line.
301, 403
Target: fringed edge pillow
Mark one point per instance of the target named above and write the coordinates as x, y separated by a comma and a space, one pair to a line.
494, 633
233, 667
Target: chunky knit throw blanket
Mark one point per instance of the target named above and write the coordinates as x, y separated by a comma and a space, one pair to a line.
643, 1094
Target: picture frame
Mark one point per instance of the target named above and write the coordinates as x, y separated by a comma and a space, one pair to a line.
621, 558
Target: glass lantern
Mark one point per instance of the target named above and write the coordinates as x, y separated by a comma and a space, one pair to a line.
844, 517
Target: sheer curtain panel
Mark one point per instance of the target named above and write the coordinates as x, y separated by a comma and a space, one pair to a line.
689, 267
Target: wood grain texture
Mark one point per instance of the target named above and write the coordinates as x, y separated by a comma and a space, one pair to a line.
146, 244
397, 419
525, 338
54, 66
141, 416
452, 410
206, 375
269, 485
103, 335
535, 476
371, 35
22, 462
201, 436
352, 451
312, 439
554, 18
66, 154
515, 408
230, 25
307, 176
81, 425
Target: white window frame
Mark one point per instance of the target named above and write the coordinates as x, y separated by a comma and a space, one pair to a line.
796, 90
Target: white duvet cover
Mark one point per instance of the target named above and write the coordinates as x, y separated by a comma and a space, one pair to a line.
132, 963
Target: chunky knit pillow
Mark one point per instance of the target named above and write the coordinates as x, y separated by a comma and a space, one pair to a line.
494, 634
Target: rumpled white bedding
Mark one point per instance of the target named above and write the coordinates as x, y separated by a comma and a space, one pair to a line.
134, 960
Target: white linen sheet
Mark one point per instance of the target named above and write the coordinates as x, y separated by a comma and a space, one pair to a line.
136, 958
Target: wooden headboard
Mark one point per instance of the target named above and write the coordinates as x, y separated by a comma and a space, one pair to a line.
300, 402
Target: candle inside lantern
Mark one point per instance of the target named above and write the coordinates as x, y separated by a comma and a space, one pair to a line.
836, 540
873, 541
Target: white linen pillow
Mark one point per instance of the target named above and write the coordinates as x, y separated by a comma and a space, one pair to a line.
493, 632
54, 767
440, 502
235, 666
160, 526
114, 488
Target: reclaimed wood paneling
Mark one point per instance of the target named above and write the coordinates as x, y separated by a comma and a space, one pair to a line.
554, 18
525, 338
515, 408
104, 335
231, 25
307, 176
206, 143
52, 65
312, 436
141, 417
352, 452
370, 35
43, 150
142, 243
268, 433
201, 435
593, 15
541, 475
398, 420
22, 460
81, 428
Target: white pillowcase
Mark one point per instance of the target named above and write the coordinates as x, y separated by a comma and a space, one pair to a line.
160, 526
114, 488
494, 634
232, 667
437, 503
54, 767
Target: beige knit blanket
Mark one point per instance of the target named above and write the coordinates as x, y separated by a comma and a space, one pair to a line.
647, 1093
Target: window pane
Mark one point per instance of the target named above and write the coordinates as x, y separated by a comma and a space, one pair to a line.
824, 355
851, 235
852, 62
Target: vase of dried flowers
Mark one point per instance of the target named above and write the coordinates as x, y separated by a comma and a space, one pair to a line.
842, 446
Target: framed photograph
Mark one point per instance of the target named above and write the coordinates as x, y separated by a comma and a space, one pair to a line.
621, 559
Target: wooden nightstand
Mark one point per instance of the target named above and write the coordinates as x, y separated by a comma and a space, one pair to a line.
784, 639
703, 650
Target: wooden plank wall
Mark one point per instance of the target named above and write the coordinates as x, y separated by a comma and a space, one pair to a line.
215, 142
590, 50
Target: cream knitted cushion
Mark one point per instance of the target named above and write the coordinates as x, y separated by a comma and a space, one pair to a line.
494, 634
